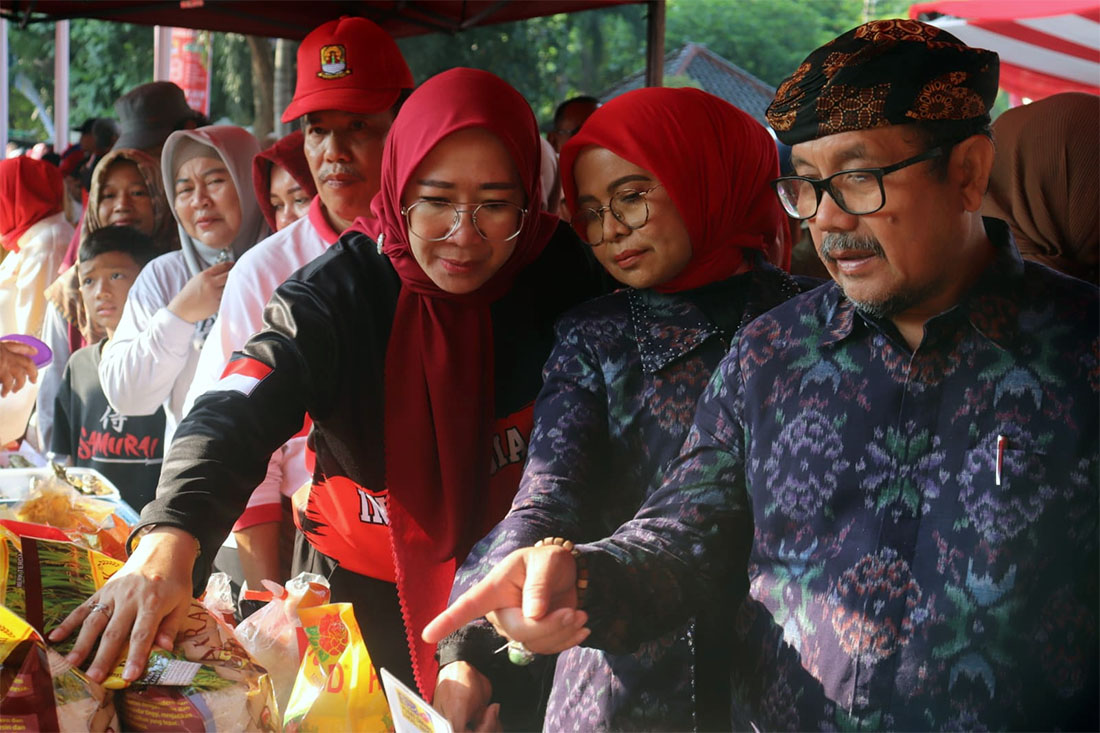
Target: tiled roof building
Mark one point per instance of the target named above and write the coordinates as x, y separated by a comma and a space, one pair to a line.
713, 74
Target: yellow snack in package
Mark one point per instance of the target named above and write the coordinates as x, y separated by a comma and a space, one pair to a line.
336, 687
86, 520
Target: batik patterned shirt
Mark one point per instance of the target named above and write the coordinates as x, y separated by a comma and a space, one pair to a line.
619, 396
919, 528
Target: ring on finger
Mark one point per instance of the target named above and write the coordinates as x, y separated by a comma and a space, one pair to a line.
101, 608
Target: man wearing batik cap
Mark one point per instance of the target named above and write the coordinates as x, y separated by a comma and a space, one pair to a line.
902, 465
351, 81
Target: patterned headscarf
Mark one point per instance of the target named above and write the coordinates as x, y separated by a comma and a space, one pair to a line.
64, 293
1046, 181
164, 225
886, 72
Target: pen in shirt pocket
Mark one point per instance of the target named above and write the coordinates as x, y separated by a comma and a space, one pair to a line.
1002, 443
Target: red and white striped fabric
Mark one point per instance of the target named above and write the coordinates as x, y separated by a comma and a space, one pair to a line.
242, 375
1046, 46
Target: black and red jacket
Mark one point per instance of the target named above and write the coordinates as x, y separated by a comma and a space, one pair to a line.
322, 353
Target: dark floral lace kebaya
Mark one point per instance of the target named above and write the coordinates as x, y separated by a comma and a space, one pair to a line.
619, 397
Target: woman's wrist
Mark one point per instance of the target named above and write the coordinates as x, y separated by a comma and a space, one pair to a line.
578, 559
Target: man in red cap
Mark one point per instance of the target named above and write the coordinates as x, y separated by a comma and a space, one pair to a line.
352, 79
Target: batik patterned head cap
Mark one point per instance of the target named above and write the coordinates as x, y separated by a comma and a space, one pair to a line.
886, 72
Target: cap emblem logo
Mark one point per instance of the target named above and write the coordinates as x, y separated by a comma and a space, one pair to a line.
333, 62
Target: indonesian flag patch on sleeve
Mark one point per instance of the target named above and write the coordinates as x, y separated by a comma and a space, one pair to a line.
243, 375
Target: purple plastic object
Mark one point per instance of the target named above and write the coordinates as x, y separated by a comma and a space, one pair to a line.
42, 355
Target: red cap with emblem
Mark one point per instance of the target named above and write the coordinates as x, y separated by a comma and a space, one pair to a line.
350, 65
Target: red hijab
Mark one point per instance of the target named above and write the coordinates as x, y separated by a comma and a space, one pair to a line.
715, 161
439, 383
30, 190
287, 152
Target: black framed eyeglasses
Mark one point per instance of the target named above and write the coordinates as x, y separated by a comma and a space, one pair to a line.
496, 221
857, 191
629, 207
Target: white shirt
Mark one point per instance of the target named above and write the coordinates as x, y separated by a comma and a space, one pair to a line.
25, 275
153, 355
55, 334
251, 283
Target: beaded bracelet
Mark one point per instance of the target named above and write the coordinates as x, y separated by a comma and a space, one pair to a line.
518, 653
578, 558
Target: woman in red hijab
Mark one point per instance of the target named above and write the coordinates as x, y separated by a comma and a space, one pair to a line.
282, 181
34, 235
418, 357
671, 189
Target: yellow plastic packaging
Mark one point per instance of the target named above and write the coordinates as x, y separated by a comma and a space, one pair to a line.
336, 687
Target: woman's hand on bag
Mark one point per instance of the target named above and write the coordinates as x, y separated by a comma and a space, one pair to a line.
462, 695
200, 297
143, 603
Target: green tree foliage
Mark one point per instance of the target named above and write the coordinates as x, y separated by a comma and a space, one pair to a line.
231, 85
767, 38
550, 59
547, 59
28, 67
105, 61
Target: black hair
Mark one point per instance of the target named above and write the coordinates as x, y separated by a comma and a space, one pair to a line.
127, 240
106, 132
582, 99
401, 98
948, 133
52, 157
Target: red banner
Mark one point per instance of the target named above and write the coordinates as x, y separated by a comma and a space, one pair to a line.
190, 67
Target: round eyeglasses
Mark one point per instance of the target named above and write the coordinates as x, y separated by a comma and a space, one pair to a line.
857, 191
497, 221
629, 207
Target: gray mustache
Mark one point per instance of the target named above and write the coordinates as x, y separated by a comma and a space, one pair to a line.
340, 170
835, 243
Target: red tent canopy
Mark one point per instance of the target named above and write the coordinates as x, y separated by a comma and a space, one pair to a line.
1046, 46
295, 19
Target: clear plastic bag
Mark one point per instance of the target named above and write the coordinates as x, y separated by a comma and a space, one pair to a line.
273, 635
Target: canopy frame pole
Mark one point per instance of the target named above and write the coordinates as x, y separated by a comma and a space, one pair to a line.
4, 93
61, 86
162, 52
655, 43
